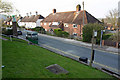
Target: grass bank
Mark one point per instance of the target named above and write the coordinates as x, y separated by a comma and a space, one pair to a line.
28, 61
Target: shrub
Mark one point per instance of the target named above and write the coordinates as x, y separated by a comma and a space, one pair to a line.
39, 29
88, 32
65, 34
60, 33
107, 36
7, 32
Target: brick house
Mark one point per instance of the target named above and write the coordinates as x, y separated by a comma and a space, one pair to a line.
71, 22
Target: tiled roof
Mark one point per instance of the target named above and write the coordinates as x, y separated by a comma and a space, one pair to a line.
10, 19
32, 18
71, 17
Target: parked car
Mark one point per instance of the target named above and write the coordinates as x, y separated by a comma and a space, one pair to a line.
32, 35
19, 32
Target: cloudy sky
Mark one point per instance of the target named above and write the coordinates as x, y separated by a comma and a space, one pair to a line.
98, 8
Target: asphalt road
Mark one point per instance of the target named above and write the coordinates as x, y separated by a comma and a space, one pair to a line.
104, 59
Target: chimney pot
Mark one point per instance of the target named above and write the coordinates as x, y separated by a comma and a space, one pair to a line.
27, 14
30, 13
54, 11
78, 8
36, 13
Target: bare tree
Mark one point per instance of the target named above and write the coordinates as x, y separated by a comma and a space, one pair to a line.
112, 18
5, 7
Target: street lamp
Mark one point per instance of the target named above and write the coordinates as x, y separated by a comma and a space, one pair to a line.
14, 23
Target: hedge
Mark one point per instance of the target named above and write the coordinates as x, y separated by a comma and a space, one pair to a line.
60, 33
88, 32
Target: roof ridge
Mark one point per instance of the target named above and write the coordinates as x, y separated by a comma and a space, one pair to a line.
66, 12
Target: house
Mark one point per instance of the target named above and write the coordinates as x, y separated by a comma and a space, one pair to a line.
8, 21
31, 21
71, 21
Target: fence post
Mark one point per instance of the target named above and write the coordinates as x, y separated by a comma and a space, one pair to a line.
117, 46
10, 38
103, 42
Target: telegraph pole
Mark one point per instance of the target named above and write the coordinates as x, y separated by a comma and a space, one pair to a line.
83, 13
92, 50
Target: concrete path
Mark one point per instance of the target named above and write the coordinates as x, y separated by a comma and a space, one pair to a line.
3, 38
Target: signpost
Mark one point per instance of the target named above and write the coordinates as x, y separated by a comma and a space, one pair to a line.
92, 50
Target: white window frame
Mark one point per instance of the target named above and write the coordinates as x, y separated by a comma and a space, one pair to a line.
65, 25
75, 25
45, 23
75, 34
55, 23
41, 23
50, 23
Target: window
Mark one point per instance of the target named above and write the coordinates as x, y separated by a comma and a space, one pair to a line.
75, 34
45, 29
55, 23
45, 23
75, 25
49, 23
41, 23
65, 25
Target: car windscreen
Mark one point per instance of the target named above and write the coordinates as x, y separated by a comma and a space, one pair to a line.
34, 34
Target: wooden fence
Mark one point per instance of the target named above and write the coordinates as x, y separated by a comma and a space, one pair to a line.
110, 43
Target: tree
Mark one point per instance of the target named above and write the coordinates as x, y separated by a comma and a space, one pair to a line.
5, 7
88, 32
115, 37
112, 17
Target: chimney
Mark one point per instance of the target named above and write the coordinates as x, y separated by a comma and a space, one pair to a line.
36, 13
27, 14
19, 15
30, 14
54, 11
78, 8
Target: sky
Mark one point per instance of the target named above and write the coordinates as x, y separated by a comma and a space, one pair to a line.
98, 8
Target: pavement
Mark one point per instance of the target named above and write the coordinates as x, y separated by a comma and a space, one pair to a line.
88, 45
3, 38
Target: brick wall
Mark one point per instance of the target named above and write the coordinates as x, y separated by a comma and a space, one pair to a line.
70, 29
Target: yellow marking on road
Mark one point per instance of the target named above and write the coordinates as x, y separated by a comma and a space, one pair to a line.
79, 57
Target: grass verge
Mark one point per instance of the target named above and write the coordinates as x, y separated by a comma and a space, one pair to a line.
28, 61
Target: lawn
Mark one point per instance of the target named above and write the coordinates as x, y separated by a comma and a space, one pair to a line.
28, 61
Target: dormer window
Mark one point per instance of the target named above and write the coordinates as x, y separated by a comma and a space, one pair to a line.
74, 25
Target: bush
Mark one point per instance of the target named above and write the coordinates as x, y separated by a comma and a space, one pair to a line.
65, 34
60, 33
39, 29
7, 32
107, 36
88, 32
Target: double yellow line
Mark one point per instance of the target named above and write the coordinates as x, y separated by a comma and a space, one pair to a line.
114, 69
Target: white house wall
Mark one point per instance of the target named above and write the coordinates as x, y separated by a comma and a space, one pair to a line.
38, 22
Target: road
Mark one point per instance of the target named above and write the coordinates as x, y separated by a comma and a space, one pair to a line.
103, 59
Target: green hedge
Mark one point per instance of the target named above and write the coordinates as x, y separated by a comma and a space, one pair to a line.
39, 29
88, 32
107, 36
7, 32
60, 33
